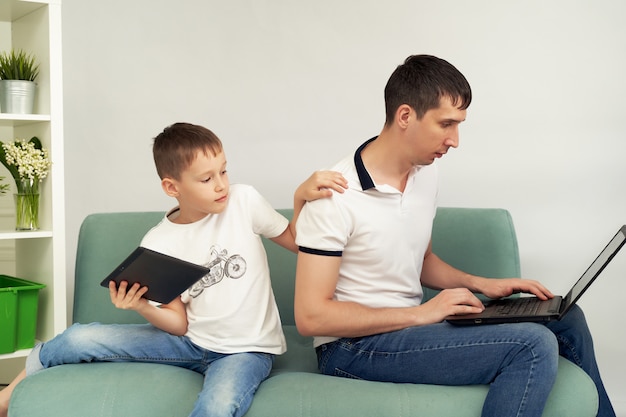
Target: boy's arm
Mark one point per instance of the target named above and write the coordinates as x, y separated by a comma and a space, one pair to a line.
319, 185
171, 318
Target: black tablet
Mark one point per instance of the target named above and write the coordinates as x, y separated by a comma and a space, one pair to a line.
165, 276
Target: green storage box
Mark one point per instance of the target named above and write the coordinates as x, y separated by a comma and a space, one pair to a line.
18, 313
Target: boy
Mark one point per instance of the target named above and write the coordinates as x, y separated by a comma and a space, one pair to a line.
230, 327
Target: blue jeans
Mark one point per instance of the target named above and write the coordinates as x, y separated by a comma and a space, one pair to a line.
518, 361
230, 380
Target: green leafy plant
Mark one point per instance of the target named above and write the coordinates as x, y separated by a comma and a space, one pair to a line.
18, 65
3, 187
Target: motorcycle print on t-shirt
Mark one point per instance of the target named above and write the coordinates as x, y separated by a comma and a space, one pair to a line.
220, 265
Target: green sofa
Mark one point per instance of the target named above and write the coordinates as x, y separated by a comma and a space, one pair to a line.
481, 241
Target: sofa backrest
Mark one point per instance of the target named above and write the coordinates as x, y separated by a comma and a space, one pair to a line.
104, 241
479, 241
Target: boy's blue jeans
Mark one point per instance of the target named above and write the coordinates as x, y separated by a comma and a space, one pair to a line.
230, 380
518, 361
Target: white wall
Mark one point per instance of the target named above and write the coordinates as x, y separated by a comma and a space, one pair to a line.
292, 86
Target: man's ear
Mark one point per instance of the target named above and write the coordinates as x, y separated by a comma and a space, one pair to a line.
403, 115
169, 186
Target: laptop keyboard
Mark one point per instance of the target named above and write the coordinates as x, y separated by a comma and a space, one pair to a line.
521, 306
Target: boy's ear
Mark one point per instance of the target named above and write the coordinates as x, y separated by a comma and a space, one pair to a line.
169, 186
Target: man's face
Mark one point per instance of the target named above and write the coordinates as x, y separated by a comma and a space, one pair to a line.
431, 136
203, 187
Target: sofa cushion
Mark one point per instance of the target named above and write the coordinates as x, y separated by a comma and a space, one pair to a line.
107, 389
314, 395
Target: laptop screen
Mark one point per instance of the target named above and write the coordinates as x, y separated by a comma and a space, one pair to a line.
595, 268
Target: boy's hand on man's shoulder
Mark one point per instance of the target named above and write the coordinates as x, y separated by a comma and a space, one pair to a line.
320, 185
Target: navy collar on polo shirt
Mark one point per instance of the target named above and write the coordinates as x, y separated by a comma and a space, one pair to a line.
364, 177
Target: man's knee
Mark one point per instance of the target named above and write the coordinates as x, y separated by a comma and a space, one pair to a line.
544, 347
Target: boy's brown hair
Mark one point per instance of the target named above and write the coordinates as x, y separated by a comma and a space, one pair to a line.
177, 146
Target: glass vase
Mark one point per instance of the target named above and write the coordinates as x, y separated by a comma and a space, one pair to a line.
27, 205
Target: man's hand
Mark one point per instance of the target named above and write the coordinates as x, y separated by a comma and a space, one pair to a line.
449, 302
498, 288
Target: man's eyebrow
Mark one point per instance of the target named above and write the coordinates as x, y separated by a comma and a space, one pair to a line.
451, 120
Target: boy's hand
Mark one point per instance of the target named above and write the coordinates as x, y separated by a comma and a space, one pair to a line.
128, 298
320, 184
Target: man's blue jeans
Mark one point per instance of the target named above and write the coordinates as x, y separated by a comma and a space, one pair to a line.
518, 361
230, 380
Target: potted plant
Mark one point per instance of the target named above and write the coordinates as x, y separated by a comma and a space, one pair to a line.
18, 71
28, 163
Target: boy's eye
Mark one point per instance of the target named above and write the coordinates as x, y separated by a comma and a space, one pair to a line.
208, 179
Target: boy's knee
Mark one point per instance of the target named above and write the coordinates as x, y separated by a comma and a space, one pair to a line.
76, 336
68, 346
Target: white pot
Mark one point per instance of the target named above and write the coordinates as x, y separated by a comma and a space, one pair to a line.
17, 96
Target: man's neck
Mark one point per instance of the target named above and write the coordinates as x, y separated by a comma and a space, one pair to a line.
384, 162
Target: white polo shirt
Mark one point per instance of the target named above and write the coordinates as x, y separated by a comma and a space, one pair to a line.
381, 234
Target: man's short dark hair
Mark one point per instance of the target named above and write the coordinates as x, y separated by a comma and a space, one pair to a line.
421, 82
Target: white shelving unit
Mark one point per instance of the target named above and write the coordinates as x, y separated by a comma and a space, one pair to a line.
35, 27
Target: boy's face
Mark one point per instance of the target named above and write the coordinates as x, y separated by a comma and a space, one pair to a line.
202, 189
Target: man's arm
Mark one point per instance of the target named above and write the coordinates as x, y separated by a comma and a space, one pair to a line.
439, 275
318, 314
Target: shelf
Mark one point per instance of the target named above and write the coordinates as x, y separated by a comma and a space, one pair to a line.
15, 120
12, 10
17, 354
24, 234
35, 26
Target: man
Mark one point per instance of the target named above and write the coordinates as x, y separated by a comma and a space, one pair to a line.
365, 254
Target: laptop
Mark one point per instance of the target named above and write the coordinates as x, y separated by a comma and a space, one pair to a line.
165, 276
531, 308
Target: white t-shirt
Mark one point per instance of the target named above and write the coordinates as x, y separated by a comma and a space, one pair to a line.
380, 233
232, 309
